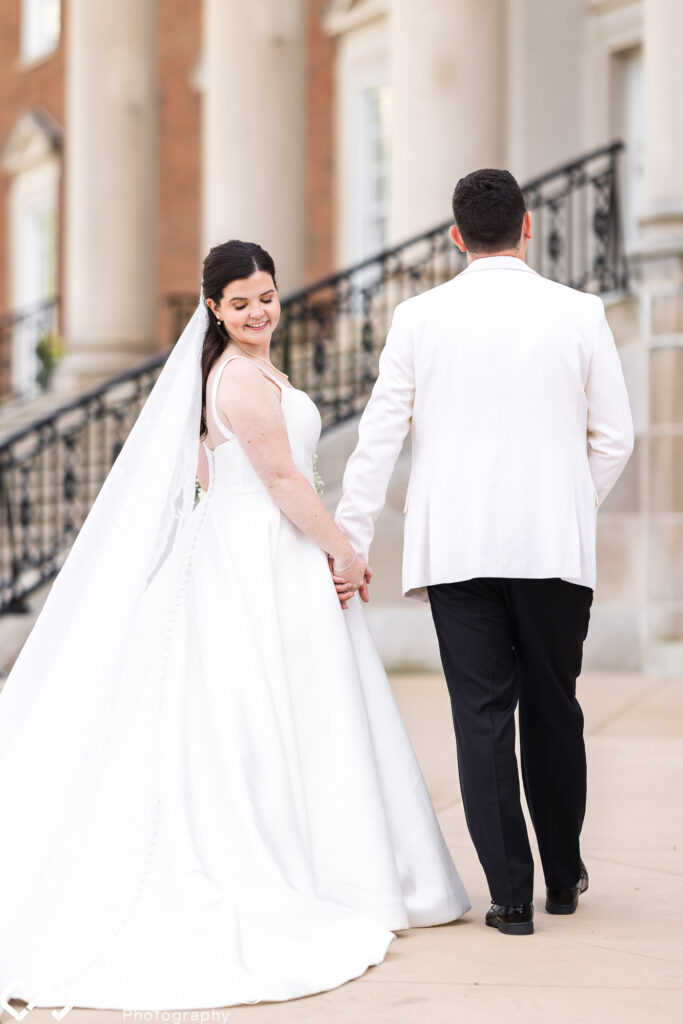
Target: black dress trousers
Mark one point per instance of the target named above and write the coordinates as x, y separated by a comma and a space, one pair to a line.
504, 641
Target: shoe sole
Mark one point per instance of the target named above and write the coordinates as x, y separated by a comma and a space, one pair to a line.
525, 928
560, 908
563, 908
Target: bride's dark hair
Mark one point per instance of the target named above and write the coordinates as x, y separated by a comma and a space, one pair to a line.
229, 261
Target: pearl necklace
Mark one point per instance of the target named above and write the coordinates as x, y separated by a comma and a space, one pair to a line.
254, 356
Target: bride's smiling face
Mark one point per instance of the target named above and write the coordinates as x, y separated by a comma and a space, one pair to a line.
250, 308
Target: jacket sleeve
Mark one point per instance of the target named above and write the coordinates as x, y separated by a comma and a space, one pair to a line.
610, 424
381, 430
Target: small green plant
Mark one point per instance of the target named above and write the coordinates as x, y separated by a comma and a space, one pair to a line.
49, 350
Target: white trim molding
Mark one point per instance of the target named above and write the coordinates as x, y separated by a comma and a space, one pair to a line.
346, 15
35, 138
362, 62
612, 27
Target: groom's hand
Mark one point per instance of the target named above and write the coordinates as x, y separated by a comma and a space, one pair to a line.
363, 590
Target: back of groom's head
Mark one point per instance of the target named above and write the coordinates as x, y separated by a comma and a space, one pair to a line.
488, 208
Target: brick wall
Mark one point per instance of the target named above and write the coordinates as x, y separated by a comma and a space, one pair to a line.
179, 162
320, 170
42, 84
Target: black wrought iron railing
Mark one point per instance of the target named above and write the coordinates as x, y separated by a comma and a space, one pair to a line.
51, 472
328, 341
331, 332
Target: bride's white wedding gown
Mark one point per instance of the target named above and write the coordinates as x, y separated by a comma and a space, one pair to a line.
263, 826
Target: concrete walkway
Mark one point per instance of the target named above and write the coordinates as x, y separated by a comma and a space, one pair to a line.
619, 958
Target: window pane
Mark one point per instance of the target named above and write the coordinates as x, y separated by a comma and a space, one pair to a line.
373, 170
41, 25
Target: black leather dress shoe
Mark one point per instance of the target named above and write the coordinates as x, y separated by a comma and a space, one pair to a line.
565, 901
517, 920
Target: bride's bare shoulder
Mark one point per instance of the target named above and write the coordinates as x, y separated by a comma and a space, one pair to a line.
242, 376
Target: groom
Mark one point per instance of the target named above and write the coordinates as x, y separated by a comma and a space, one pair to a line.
513, 391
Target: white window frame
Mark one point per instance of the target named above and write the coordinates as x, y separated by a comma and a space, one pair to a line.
41, 22
34, 197
366, 206
362, 62
612, 29
32, 162
629, 120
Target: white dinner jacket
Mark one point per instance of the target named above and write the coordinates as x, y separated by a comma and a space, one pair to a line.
513, 391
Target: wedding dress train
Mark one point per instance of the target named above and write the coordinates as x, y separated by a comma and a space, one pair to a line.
244, 818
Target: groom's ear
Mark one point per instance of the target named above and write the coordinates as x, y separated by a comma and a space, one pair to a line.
456, 237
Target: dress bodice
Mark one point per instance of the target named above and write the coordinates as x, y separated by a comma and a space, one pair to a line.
231, 469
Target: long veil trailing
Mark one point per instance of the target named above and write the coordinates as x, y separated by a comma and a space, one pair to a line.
68, 709
193, 814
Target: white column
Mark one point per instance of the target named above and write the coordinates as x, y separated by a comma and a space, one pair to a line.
253, 126
659, 282
110, 181
448, 68
663, 88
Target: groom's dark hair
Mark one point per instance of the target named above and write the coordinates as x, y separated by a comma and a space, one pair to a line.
488, 208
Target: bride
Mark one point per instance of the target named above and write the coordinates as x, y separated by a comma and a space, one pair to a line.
207, 792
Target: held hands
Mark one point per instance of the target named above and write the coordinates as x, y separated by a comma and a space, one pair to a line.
351, 578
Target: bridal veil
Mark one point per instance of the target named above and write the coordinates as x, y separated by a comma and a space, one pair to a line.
67, 704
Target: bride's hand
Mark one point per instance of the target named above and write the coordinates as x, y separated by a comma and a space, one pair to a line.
354, 577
